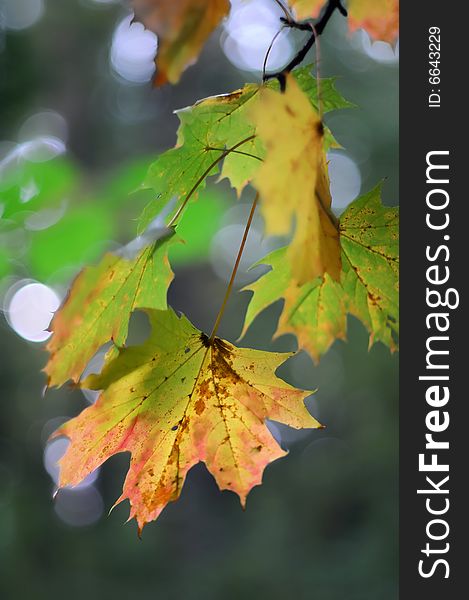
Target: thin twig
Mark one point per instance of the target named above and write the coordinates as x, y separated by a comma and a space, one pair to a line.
318, 72
235, 269
319, 27
269, 50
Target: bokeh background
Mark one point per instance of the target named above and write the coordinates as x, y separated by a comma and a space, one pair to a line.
80, 123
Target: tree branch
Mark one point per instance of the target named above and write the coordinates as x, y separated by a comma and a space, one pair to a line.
319, 27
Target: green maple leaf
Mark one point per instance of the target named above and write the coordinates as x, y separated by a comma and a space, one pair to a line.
369, 234
99, 304
218, 129
314, 312
331, 98
225, 120
180, 172
369, 285
176, 400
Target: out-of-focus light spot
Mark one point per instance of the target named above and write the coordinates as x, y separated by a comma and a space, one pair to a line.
51, 426
132, 51
379, 51
47, 123
287, 436
345, 179
94, 366
53, 453
29, 307
225, 246
21, 14
39, 149
45, 218
90, 395
28, 191
249, 32
79, 507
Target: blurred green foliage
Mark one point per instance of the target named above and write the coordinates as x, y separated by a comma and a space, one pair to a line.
91, 217
201, 221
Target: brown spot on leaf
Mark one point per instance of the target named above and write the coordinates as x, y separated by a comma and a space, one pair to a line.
199, 406
204, 389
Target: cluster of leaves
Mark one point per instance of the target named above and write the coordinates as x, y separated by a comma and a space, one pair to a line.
184, 396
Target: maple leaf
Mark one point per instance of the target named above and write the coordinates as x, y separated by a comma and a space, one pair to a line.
369, 234
176, 400
293, 182
99, 304
224, 118
316, 311
182, 27
380, 18
180, 172
218, 129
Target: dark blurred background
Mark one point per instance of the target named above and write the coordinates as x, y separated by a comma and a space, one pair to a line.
79, 125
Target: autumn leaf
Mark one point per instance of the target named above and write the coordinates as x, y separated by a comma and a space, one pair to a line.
369, 234
225, 118
331, 98
180, 173
316, 311
218, 131
182, 27
293, 182
98, 307
380, 18
176, 400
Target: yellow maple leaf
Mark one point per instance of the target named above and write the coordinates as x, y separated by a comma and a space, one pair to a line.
182, 27
293, 183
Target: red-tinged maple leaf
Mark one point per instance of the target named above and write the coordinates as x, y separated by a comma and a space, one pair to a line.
380, 18
177, 400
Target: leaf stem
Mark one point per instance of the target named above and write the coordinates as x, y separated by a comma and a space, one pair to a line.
235, 269
225, 153
269, 50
